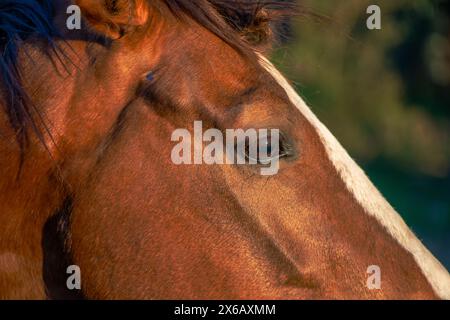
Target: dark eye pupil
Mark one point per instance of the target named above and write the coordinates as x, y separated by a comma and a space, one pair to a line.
268, 146
265, 150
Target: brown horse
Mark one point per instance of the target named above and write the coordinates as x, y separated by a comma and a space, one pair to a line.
87, 177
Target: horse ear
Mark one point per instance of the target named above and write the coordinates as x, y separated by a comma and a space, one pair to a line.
114, 18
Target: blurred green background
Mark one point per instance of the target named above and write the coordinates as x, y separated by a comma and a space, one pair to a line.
385, 94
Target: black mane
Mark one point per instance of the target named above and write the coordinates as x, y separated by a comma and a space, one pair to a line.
22, 19
19, 20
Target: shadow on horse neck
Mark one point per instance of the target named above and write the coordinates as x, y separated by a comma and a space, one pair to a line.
98, 187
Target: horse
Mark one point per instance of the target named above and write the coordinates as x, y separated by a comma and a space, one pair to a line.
87, 178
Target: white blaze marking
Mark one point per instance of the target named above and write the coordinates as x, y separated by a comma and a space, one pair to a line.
367, 194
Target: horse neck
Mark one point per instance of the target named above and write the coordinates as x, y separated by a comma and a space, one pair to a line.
26, 202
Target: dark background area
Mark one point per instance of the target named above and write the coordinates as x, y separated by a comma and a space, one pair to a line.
385, 94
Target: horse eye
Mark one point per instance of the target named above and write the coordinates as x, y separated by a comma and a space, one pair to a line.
266, 151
